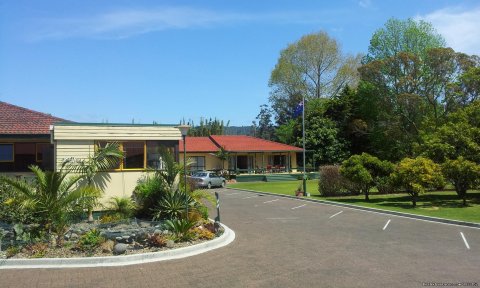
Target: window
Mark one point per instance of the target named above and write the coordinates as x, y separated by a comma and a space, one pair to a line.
42, 149
199, 163
134, 157
154, 153
6, 152
25, 154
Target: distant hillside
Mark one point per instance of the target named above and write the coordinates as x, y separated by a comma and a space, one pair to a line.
239, 130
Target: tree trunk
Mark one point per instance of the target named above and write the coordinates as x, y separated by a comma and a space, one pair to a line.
90, 215
414, 199
464, 197
367, 196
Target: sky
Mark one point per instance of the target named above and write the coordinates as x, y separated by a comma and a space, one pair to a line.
164, 61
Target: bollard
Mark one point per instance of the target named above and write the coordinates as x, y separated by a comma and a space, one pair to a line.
217, 219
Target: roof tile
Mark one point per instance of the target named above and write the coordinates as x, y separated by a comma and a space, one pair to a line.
15, 120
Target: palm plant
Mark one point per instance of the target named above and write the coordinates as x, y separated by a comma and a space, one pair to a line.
222, 154
122, 206
53, 198
103, 159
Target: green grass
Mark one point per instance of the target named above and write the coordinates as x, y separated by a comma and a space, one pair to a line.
441, 204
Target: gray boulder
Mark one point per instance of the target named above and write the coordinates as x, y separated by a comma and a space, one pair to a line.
120, 248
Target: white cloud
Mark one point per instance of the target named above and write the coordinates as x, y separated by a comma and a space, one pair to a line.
460, 27
126, 23
365, 3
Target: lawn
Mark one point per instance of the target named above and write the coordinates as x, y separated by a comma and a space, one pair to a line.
441, 204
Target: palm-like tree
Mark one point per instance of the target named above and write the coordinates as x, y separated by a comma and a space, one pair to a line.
222, 154
104, 158
53, 198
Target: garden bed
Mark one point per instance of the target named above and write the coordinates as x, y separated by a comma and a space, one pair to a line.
125, 237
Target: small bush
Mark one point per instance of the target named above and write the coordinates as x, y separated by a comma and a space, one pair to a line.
385, 185
203, 233
109, 218
37, 250
90, 240
156, 240
181, 228
331, 182
12, 251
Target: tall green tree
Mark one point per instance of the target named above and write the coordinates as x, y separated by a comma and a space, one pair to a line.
265, 128
315, 67
322, 136
398, 36
463, 174
207, 127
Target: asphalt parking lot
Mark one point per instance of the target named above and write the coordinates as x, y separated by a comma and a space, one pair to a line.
283, 242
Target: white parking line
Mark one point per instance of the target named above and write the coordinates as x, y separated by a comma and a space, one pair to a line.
385, 227
250, 197
465, 240
335, 215
298, 206
271, 201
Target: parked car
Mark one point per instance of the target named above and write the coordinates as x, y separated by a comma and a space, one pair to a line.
208, 179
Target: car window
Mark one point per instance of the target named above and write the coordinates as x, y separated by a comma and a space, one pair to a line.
200, 174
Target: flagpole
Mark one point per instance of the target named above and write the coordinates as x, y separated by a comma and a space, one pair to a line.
305, 193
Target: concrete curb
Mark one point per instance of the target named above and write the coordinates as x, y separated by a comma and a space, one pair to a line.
374, 210
226, 238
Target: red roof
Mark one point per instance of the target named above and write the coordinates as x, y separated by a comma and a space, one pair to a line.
234, 143
15, 120
198, 144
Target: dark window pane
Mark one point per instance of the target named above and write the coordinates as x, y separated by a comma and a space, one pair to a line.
6, 152
134, 155
42, 148
25, 154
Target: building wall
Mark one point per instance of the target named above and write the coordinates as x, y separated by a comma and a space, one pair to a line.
211, 161
115, 132
261, 159
78, 141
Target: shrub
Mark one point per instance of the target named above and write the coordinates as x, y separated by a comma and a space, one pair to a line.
331, 183
172, 205
415, 175
385, 185
90, 240
10, 210
463, 174
365, 171
12, 251
156, 240
37, 250
181, 228
203, 233
124, 207
109, 218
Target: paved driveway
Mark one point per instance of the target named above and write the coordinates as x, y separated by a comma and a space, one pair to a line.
290, 243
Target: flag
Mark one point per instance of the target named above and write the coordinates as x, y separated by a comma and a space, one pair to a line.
298, 110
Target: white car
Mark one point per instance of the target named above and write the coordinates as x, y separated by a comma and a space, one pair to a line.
208, 179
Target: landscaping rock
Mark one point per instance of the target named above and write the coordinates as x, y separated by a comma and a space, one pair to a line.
157, 232
107, 246
170, 244
120, 248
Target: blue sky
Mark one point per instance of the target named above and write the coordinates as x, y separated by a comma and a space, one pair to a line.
94, 61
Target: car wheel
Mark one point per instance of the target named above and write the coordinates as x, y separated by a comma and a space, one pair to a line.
223, 184
209, 185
